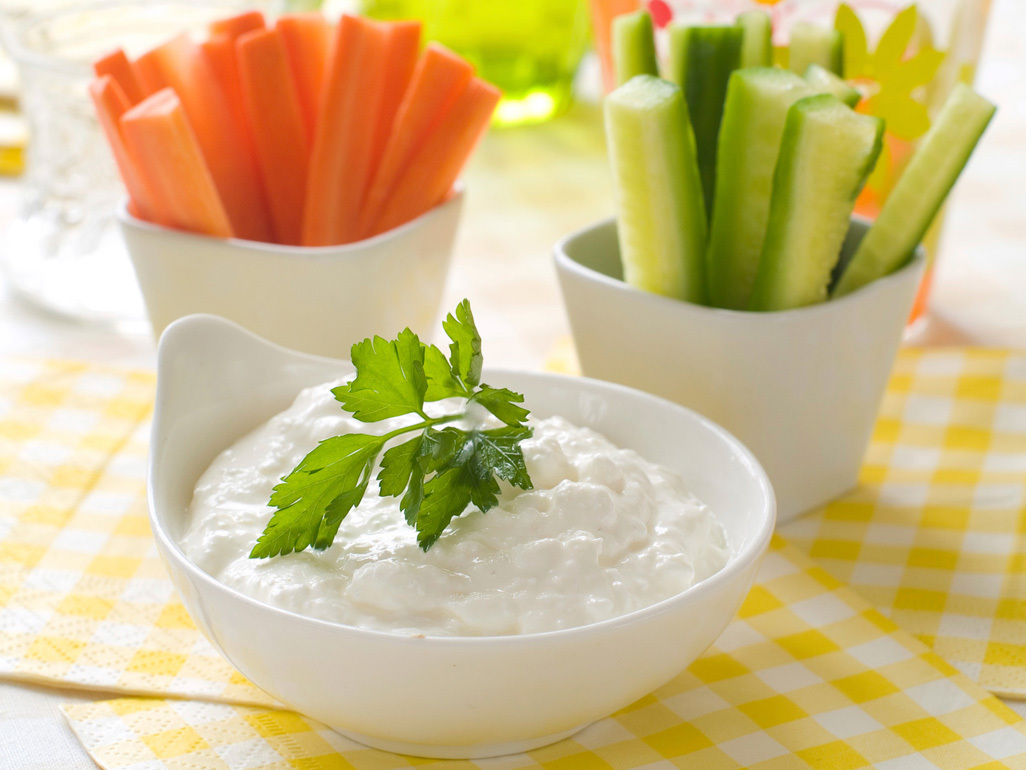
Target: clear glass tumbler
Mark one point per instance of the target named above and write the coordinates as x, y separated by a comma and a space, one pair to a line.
64, 251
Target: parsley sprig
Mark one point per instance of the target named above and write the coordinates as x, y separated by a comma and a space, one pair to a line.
439, 472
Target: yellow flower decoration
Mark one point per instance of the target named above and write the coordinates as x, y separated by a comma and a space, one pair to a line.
894, 78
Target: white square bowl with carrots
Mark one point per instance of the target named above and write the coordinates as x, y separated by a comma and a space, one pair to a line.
298, 177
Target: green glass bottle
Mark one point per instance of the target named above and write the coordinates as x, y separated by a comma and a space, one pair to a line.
528, 48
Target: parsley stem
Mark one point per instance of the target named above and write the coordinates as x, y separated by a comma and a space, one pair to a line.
429, 422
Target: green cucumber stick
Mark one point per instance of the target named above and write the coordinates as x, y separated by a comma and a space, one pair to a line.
825, 81
661, 219
633, 46
920, 190
826, 155
814, 44
758, 99
700, 62
756, 39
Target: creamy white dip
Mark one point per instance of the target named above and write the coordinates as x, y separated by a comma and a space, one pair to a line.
603, 533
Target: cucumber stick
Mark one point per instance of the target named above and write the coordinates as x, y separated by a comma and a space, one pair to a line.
813, 44
920, 191
661, 215
826, 155
753, 123
700, 62
756, 39
826, 82
633, 46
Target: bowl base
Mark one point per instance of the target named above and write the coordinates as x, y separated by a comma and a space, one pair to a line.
472, 751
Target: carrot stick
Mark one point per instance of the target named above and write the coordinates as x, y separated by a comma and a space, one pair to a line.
439, 77
429, 181
400, 61
219, 51
186, 69
165, 149
276, 117
117, 65
150, 73
237, 26
340, 160
111, 103
307, 38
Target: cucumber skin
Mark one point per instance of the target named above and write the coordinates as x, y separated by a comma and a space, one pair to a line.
783, 245
824, 80
641, 152
893, 238
745, 181
634, 46
816, 45
756, 39
701, 61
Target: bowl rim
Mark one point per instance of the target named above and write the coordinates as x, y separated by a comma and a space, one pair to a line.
740, 559
566, 263
128, 220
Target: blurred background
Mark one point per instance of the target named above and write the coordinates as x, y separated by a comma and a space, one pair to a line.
67, 289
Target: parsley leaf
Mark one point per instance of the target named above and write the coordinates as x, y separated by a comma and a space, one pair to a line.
397, 465
441, 382
317, 495
440, 448
465, 351
439, 472
446, 495
390, 379
498, 451
502, 402
468, 476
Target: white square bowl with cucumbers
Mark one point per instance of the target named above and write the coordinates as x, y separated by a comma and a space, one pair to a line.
735, 279
800, 388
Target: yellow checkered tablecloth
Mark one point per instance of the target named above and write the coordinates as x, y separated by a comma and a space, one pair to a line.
808, 675
84, 598
935, 534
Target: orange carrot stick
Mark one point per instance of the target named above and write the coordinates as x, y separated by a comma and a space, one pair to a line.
150, 73
186, 69
400, 61
428, 182
439, 78
165, 149
117, 65
278, 131
307, 38
219, 51
111, 103
237, 26
340, 160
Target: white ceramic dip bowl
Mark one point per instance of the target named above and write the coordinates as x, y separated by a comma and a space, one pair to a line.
315, 299
443, 696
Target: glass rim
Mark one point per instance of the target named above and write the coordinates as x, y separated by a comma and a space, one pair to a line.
15, 30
